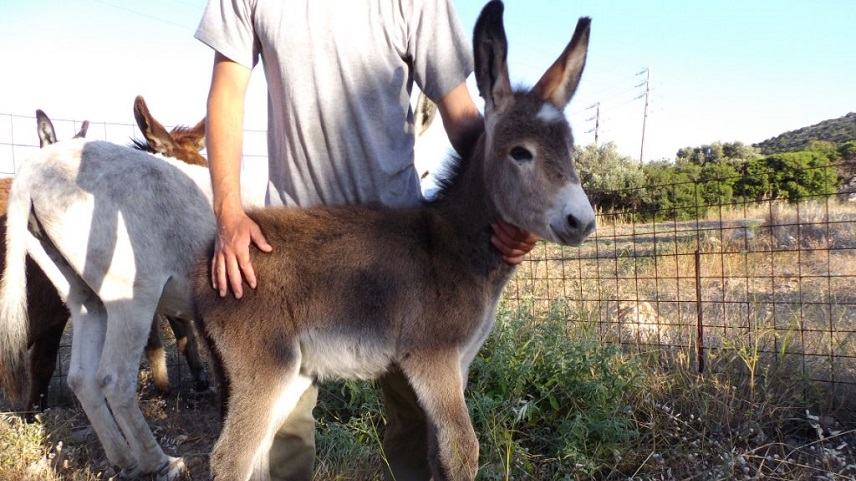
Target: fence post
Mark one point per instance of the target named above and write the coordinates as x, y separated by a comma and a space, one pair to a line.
700, 315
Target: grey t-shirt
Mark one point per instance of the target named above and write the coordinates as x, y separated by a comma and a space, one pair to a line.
339, 75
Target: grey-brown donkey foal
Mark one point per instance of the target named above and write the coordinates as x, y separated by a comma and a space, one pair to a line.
349, 291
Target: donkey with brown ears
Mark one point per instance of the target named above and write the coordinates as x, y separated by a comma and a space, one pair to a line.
46, 312
349, 292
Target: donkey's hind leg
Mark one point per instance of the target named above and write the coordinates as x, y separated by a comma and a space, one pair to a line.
43, 354
157, 357
89, 322
185, 342
436, 378
130, 321
262, 393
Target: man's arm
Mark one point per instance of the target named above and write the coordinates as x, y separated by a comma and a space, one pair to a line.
464, 124
225, 135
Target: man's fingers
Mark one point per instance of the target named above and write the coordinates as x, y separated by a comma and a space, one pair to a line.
506, 250
506, 239
510, 230
513, 261
247, 268
259, 239
220, 274
234, 273
213, 271
512, 242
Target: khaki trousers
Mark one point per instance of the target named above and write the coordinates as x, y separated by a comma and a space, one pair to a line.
405, 440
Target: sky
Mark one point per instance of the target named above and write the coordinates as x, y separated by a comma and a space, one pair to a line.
719, 71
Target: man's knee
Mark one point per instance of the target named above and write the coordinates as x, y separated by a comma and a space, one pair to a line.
292, 454
406, 437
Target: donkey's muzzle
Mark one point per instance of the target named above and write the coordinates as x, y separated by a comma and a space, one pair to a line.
584, 227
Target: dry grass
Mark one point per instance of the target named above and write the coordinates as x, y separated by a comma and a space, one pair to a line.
45, 450
729, 425
771, 267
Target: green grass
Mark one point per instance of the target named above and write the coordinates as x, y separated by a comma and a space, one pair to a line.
548, 400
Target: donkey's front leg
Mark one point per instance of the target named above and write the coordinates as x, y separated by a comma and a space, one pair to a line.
263, 390
437, 380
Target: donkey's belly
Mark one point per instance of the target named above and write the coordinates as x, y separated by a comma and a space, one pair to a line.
176, 300
327, 355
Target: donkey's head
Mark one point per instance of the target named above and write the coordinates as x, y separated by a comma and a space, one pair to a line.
181, 143
529, 168
47, 134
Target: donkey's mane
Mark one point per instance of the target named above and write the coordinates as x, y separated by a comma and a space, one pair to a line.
142, 145
450, 173
176, 132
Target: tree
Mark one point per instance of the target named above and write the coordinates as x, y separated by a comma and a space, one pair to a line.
799, 175
672, 191
847, 150
716, 152
613, 181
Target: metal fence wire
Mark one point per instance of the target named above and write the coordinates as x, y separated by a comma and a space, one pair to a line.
770, 275
702, 274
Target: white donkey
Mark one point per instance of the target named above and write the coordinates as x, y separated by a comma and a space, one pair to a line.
116, 230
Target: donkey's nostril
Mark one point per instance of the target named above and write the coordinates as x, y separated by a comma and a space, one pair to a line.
573, 222
589, 228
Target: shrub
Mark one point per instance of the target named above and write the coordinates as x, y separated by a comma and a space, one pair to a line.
548, 402
671, 191
613, 181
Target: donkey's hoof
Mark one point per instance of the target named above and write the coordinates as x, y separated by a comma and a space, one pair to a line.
131, 472
174, 469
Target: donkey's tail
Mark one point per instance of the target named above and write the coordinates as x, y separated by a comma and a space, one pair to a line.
13, 293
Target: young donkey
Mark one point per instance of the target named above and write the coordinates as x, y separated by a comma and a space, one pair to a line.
349, 291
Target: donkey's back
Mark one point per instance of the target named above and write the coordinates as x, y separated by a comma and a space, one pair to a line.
121, 206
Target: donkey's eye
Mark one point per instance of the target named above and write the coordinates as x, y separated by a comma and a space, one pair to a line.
521, 154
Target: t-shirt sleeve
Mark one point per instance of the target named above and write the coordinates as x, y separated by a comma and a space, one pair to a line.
440, 51
227, 27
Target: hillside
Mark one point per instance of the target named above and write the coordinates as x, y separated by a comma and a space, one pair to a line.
837, 131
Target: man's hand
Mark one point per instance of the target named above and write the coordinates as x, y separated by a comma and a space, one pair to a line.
231, 258
512, 242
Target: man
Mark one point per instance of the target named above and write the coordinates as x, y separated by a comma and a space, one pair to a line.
340, 131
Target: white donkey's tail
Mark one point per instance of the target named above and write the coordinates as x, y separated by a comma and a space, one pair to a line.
13, 294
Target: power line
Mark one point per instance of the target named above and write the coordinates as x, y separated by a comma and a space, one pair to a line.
145, 15
647, 84
596, 119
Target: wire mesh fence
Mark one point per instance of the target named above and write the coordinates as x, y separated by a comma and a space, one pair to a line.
708, 273
686, 266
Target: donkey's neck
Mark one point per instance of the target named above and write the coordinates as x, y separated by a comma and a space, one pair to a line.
466, 206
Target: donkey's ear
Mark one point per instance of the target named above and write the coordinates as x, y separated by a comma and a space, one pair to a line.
155, 134
560, 81
47, 135
197, 134
83, 128
490, 49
